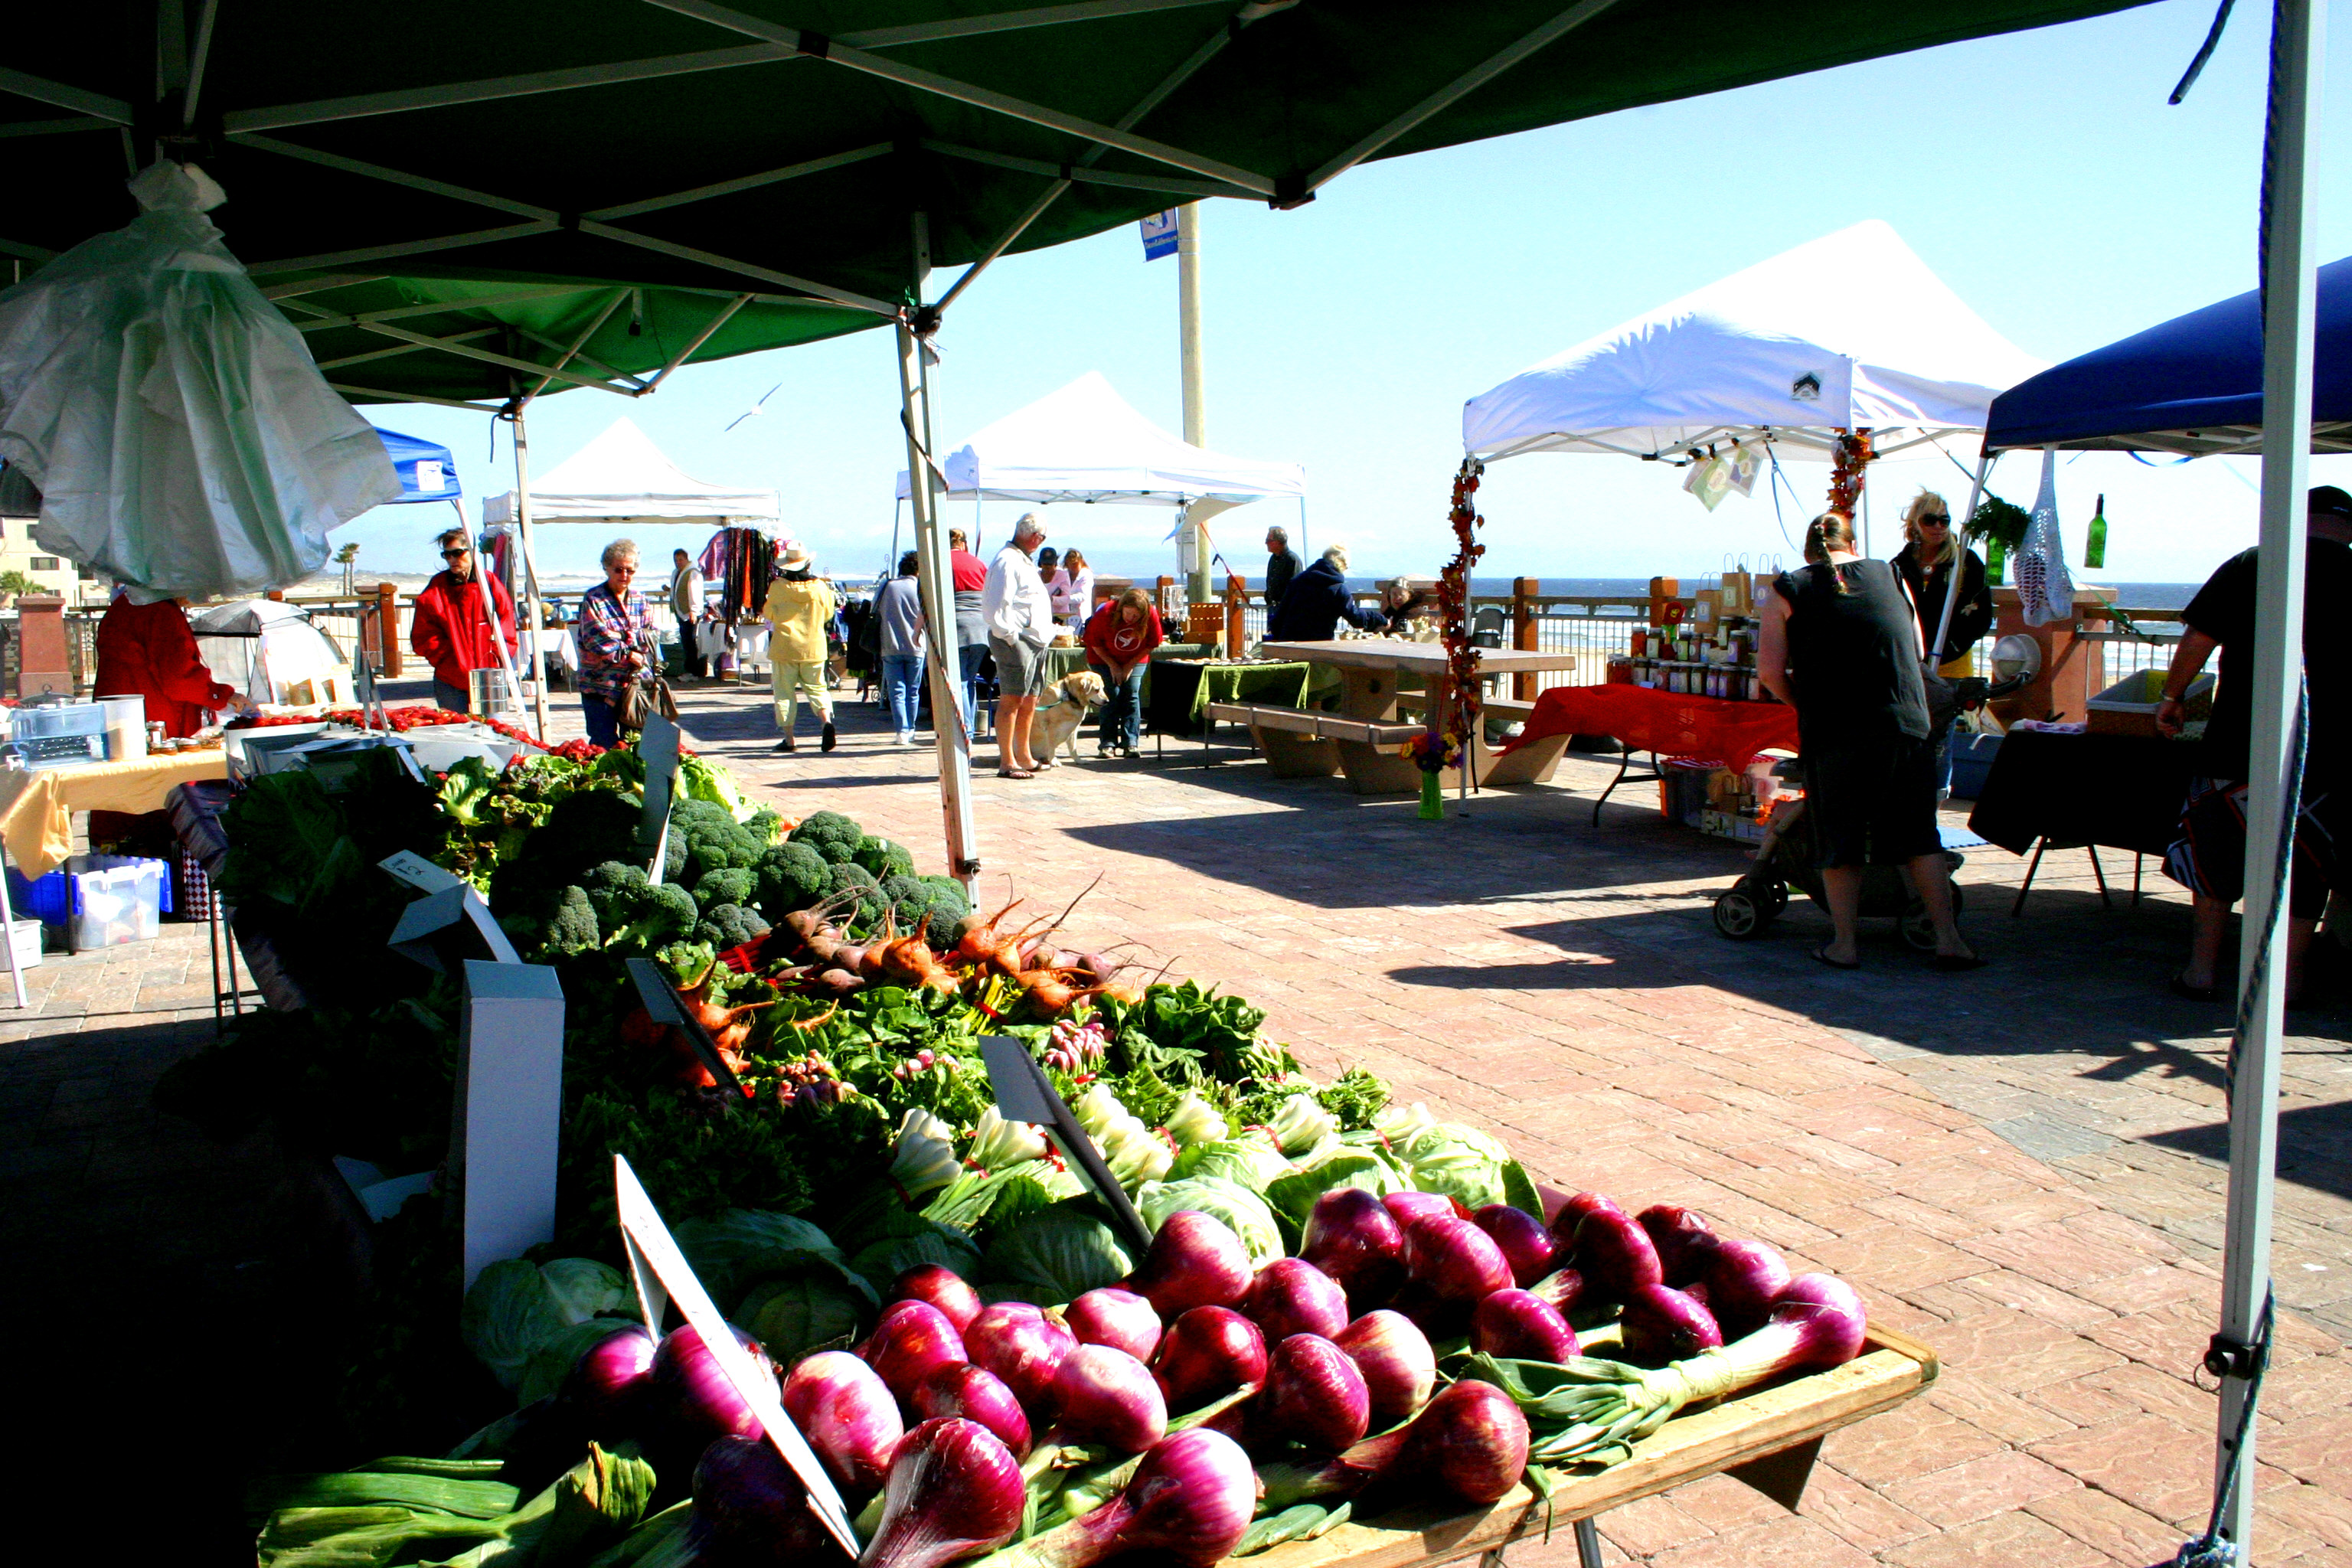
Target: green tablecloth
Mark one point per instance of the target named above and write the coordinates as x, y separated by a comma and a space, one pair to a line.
1062, 661
1179, 689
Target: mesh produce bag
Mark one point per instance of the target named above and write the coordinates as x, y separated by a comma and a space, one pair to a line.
2044, 587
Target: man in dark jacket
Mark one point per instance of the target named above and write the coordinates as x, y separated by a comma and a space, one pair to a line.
1281, 564
1316, 601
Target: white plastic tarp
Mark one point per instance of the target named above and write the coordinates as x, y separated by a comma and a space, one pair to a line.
181, 438
622, 477
1084, 442
271, 651
1849, 331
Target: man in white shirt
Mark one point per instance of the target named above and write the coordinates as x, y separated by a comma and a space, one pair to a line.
685, 605
1020, 617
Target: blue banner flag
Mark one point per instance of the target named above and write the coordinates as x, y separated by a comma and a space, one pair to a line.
1159, 234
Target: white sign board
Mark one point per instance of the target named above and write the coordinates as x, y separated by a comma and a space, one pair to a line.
510, 1092
661, 1275
658, 748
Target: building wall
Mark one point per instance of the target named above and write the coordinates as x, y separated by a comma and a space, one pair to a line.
53, 573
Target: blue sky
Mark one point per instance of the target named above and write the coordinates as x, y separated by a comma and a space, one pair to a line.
2041, 175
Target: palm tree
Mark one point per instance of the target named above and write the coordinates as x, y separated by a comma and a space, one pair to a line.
344, 558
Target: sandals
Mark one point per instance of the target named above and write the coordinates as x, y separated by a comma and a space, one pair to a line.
1957, 963
1821, 955
1015, 773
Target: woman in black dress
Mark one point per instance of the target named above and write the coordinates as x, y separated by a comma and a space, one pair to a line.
1841, 645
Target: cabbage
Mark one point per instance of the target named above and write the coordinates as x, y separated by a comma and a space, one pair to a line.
1294, 1196
1061, 1251
517, 1307
882, 1262
791, 1317
1249, 1162
553, 1361
1460, 1162
732, 1252
1244, 1213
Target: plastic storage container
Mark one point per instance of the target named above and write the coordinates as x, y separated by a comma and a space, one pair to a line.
117, 899
59, 735
1973, 758
2128, 706
126, 728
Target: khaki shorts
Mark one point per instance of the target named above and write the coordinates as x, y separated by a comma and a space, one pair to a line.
1020, 669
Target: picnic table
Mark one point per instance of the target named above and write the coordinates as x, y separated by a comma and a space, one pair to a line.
1363, 738
1177, 691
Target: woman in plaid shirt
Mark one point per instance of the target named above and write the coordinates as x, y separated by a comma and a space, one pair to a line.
611, 632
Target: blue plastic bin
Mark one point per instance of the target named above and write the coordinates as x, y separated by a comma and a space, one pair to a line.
1971, 760
55, 900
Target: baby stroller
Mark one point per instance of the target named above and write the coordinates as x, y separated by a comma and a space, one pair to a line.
1743, 910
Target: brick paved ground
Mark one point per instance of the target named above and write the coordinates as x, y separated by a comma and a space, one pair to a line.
2020, 1166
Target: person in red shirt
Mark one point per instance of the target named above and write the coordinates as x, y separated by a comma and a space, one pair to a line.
451, 630
1119, 638
971, 575
149, 650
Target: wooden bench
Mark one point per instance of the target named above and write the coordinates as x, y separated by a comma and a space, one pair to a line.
1532, 763
1300, 742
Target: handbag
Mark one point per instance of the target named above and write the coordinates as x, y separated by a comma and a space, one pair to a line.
648, 694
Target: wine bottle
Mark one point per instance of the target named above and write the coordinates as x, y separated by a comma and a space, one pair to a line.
2094, 554
1995, 558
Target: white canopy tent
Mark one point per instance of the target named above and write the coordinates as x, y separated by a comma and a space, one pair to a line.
272, 651
1087, 444
1848, 331
622, 477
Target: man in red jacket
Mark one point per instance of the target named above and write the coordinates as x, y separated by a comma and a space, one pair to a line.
451, 629
149, 650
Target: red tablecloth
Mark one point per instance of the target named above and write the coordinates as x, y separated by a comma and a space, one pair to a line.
1713, 728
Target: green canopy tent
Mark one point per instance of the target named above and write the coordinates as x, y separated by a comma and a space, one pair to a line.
825, 155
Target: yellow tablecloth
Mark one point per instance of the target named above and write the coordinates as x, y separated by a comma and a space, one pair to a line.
37, 808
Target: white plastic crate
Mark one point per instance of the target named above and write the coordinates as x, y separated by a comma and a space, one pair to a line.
119, 900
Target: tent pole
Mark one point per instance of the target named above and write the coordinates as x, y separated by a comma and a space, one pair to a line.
1195, 377
529, 575
2289, 289
1952, 588
936, 580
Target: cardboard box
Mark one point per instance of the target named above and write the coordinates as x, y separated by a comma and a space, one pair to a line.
2128, 706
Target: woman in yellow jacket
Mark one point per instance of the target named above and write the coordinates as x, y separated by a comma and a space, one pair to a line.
800, 606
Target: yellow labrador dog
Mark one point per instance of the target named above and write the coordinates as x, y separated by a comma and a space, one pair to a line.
1061, 711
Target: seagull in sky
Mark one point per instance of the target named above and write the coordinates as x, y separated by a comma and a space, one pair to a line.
758, 408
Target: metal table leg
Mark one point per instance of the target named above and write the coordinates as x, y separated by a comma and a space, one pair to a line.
1587, 1544
2035, 865
2100, 872
1624, 766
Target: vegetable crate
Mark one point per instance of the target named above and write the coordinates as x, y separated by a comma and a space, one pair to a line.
1768, 1437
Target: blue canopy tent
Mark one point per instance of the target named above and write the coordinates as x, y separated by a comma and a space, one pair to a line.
426, 470
2198, 385
2193, 385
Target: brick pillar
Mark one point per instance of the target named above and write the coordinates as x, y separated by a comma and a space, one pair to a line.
43, 663
1237, 595
387, 614
1523, 634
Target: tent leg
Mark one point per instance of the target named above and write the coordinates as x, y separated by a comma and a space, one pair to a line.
1952, 588
530, 577
2289, 289
936, 579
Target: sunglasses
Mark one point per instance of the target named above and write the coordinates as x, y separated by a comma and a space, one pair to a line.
1936, 519
454, 554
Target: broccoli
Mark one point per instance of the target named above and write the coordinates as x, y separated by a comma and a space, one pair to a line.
885, 859
726, 885
792, 877
948, 894
559, 927
615, 889
728, 925
583, 828
663, 913
855, 879
830, 835
712, 838
762, 823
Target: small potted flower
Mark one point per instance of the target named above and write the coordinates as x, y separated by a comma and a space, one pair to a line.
1432, 754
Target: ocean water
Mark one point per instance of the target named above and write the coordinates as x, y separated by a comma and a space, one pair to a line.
2131, 595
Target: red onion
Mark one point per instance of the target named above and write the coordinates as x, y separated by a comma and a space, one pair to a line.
1313, 1395
1527, 1246
1105, 1395
1743, 1278
913, 1339
1453, 1259
606, 1388
1291, 1296
1209, 1352
847, 1416
1571, 1214
1563, 1288
1114, 1317
1194, 1261
750, 1509
954, 1492
1662, 1324
1520, 1326
1023, 1347
689, 1400
1399, 1367
943, 1289
1831, 1315
1686, 1242
1407, 1207
1191, 1497
1614, 1255
963, 1389
1471, 1440
1352, 1237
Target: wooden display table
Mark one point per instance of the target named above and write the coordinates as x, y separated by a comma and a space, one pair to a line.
1767, 1438
1369, 670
